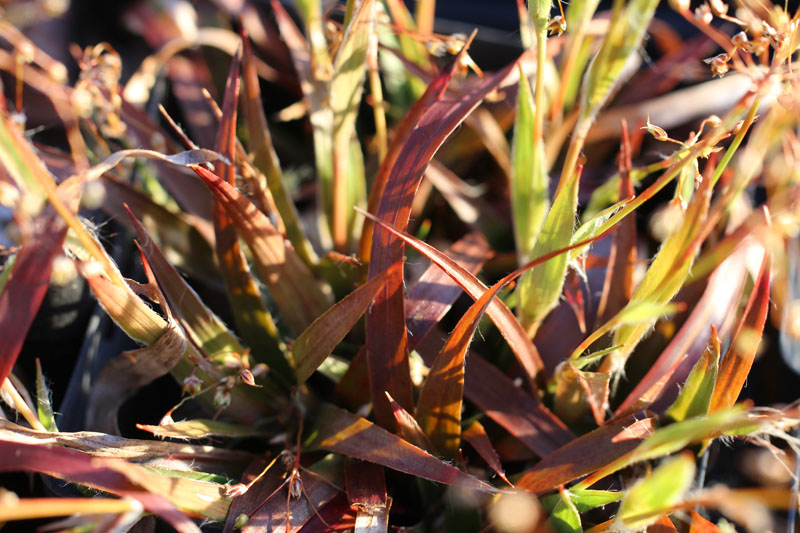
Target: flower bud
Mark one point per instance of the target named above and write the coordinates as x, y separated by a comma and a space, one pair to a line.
557, 25
656, 131
247, 378
222, 397
192, 385
241, 521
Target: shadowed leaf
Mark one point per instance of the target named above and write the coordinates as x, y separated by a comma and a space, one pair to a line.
266, 159
429, 299
322, 336
252, 318
476, 435
126, 373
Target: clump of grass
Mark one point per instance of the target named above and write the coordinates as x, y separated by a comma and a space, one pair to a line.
610, 361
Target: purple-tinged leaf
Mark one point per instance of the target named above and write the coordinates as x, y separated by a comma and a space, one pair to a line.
430, 298
342, 432
91, 471
476, 435
26, 285
434, 118
586, 454
321, 337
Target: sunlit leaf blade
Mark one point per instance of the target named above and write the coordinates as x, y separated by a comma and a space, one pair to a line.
440, 400
722, 293
252, 318
91, 471
628, 26
342, 432
674, 437
586, 454
529, 179
386, 333
698, 524
584, 499
502, 317
737, 361
201, 429
658, 492
44, 409
139, 451
666, 274
295, 290
32, 508
266, 159
314, 69
565, 517
540, 289
322, 336
476, 435
348, 186
204, 327
695, 396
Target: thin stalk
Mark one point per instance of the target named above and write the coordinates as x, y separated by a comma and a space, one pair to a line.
737, 140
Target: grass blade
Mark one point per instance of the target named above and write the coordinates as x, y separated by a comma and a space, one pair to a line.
266, 159
322, 336
252, 318
737, 361
295, 290
586, 454
529, 180
345, 433
348, 186
657, 493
